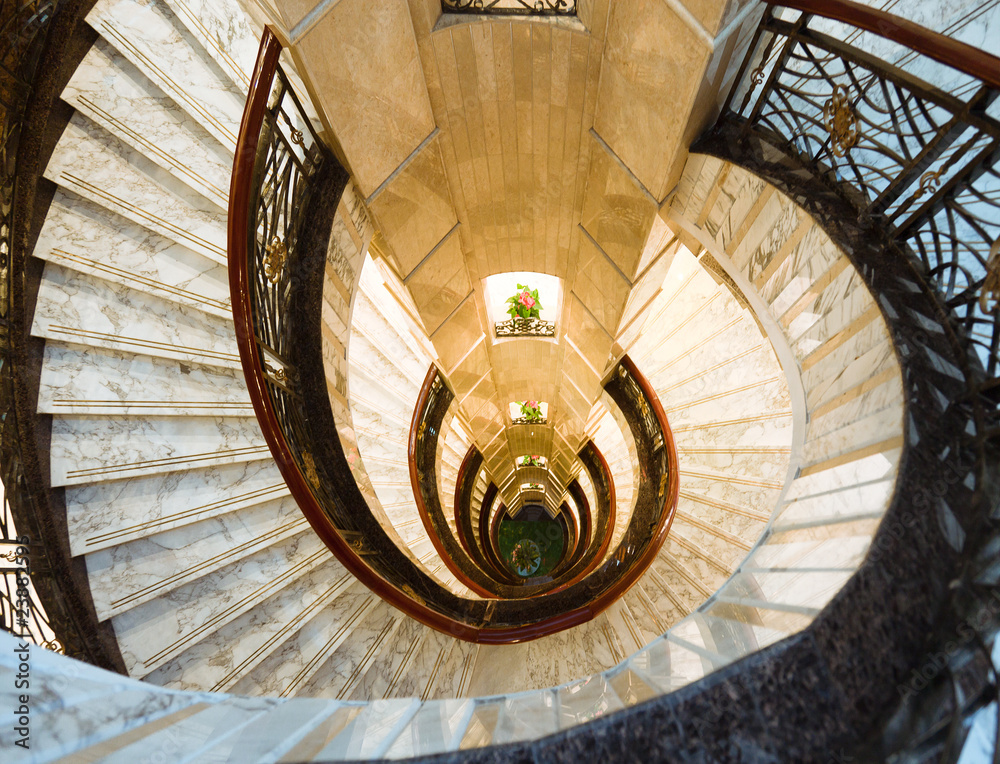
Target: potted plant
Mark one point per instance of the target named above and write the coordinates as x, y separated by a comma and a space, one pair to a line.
524, 304
531, 410
531, 461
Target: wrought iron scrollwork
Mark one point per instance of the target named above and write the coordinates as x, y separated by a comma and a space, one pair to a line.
917, 166
525, 327
511, 7
528, 420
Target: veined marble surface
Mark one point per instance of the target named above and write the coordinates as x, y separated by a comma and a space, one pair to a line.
100, 515
86, 237
117, 96
95, 164
162, 629
98, 381
80, 309
85, 450
128, 574
170, 57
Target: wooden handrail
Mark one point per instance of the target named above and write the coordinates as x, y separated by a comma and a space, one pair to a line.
240, 193
459, 484
943, 49
419, 409
241, 243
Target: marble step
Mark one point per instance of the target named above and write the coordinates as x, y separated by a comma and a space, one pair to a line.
370, 318
86, 237
158, 631
340, 665
365, 356
102, 515
709, 565
139, 571
78, 308
225, 657
93, 163
683, 582
169, 55
766, 464
650, 620
383, 317
754, 496
659, 595
382, 678
423, 676
738, 530
769, 430
348, 620
225, 33
109, 90
87, 450
365, 386
94, 381
767, 396
715, 372
288, 670
376, 423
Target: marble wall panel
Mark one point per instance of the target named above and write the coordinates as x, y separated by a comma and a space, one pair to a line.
616, 213
366, 71
587, 336
601, 286
414, 209
458, 335
440, 283
653, 65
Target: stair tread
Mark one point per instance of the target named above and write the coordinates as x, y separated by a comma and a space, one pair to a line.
98, 166
172, 58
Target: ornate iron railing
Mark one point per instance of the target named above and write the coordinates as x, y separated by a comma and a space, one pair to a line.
528, 420
511, 7
903, 174
282, 178
525, 327
911, 156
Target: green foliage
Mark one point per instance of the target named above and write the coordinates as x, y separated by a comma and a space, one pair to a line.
525, 303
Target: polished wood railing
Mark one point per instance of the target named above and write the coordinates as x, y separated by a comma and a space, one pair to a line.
284, 176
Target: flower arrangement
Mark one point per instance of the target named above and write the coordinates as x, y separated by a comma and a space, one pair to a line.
526, 557
531, 410
531, 461
533, 486
525, 303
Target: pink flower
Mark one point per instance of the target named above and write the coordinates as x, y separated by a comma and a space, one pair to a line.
527, 300
531, 404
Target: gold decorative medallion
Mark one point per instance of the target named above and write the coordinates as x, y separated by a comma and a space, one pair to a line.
275, 256
841, 121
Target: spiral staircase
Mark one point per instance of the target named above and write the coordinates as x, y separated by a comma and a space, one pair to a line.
772, 359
